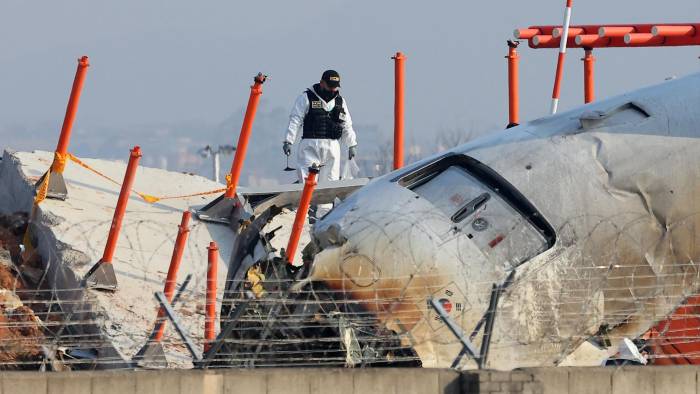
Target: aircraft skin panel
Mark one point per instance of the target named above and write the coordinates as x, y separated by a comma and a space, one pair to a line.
615, 179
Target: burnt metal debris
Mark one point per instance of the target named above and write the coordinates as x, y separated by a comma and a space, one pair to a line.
270, 317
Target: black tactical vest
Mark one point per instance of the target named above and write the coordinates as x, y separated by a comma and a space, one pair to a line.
319, 123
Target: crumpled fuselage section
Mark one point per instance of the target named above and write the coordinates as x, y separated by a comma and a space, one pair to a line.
616, 180
592, 213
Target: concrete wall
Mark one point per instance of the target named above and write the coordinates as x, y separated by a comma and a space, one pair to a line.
635, 380
572, 380
270, 381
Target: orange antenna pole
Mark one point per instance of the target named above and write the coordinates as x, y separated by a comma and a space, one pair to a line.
210, 321
229, 207
56, 184
102, 274
71, 111
588, 76
513, 84
300, 217
556, 91
119, 211
244, 137
171, 280
399, 60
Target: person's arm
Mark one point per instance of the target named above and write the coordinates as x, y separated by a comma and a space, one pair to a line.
349, 138
296, 118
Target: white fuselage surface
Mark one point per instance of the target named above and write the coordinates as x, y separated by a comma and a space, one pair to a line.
595, 210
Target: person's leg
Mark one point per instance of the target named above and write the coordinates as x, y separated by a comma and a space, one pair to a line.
330, 172
307, 155
333, 161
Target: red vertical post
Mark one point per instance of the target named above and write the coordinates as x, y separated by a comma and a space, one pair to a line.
210, 321
300, 217
101, 275
179, 248
588, 76
114, 230
246, 128
64, 140
399, 60
513, 84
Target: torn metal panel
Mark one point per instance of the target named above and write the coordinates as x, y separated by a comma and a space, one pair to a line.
261, 199
250, 245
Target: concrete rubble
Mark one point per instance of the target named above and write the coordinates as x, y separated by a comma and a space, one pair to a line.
70, 236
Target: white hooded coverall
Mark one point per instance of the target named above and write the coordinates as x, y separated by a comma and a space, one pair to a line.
323, 151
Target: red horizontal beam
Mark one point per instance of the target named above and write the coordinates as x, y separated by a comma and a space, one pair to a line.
635, 40
614, 35
593, 29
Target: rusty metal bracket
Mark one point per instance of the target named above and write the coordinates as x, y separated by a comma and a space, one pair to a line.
152, 354
178, 327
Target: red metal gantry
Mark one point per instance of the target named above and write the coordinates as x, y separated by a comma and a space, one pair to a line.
588, 37
613, 36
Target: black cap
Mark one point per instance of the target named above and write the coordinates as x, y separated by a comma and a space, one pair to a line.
332, 78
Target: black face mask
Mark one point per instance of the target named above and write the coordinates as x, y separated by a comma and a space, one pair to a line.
325, 94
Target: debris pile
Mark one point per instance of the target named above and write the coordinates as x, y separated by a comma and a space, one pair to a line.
21, 331
110, 327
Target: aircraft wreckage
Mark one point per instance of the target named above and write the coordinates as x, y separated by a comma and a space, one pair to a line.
509, 251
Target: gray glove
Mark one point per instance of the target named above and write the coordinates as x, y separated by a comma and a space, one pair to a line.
352, 151
287, 148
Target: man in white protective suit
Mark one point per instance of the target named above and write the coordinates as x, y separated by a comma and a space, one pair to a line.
323, 117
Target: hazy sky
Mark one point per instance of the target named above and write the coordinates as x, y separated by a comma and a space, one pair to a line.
160, 62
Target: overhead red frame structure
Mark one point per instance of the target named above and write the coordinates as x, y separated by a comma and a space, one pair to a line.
613, 35
588, 37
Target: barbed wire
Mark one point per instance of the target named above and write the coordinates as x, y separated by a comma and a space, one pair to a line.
349, 326
279, 350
